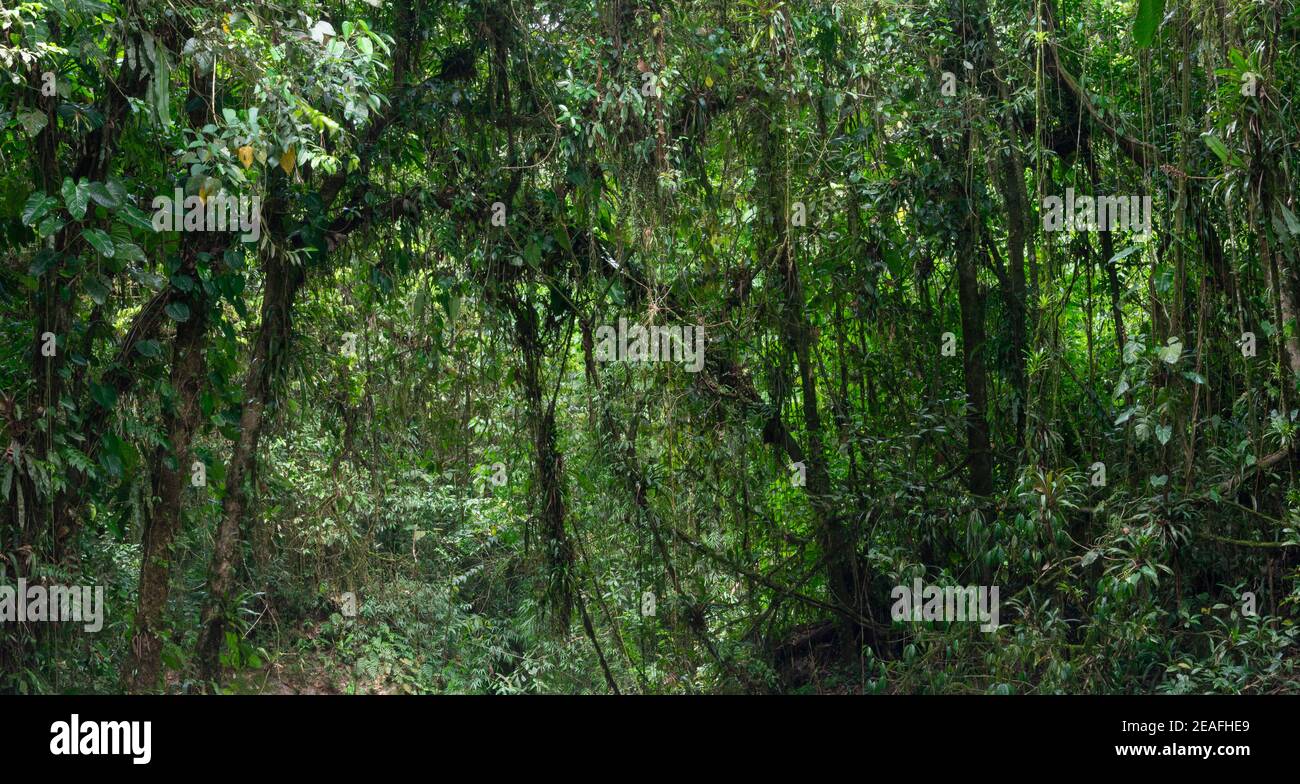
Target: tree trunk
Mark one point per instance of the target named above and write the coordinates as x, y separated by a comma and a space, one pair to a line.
549, 467
283, 279
1013, 192
979, 454
144, 664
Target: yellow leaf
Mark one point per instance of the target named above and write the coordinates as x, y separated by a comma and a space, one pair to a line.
708, 81
287, 160
246, 155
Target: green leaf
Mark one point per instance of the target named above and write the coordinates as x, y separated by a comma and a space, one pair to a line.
97, 289
43, 261
1129, 251
112, 462
129, 251
1149, 14
1172, 351
1219, 149
146, 278
52, 225
76, 197
100, 240
149, 348
172, 656
114, 455
1132, 350
1292, 223
178, 311
106, 396
36, 207
118, 191
1237, 59
32, 121
132, 216
160, 81
1163, 432
103, 196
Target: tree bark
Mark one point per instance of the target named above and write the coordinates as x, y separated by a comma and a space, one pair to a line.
974, 372
283, 280
144, 664
549, 467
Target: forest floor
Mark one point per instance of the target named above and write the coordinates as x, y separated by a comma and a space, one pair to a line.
290, 675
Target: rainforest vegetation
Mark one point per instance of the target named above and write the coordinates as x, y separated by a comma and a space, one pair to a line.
637, 346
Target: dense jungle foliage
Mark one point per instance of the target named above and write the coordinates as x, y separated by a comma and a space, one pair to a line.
399, 434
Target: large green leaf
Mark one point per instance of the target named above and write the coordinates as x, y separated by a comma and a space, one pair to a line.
132, 216
104, 395
76, 197
149, 348
36, 207
103, 196
178, 311
100, 240
160, 80
32, 121
97, 289
1149, 14
130, 251
1292, 222
1220, 149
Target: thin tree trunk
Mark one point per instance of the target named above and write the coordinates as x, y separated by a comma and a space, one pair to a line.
975, 374
144, 664
282, 282
549, 466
